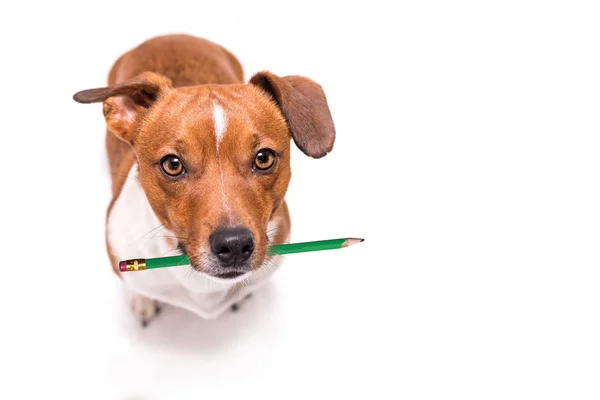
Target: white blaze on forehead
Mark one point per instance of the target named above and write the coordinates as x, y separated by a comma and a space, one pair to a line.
220, 122
220, 126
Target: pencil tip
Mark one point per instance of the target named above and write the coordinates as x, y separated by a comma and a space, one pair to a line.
351, 241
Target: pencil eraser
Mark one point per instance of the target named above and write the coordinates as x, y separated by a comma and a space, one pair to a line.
123, 266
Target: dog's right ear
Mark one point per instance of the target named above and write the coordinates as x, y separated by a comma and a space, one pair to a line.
125, 102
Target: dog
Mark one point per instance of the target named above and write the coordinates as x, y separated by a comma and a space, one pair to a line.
200, 165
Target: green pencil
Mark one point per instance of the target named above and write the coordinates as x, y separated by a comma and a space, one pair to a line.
140, 264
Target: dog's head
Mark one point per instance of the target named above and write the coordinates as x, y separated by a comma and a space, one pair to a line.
214, 160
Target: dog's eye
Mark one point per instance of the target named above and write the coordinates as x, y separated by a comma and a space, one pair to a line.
171, 165
264, 159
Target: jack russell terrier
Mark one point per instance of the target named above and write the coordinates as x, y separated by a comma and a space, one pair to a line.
200, 165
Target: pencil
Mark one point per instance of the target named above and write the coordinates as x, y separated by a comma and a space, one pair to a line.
140, 264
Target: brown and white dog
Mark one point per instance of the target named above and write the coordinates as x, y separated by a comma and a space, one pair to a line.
200, 163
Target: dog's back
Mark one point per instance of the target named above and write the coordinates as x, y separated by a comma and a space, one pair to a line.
187, 61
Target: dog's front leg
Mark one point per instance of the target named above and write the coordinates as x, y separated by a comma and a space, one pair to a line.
144, 308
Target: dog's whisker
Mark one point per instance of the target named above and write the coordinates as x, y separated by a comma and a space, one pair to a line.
169, 236
189, 273
129, 176
274, 231
173, 249
269, 264
160, 230
147, 233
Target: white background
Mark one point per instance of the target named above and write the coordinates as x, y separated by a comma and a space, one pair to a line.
467, 155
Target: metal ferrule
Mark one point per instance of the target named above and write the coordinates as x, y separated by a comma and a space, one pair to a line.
137, 264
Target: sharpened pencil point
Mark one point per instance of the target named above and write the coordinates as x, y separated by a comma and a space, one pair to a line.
351, 241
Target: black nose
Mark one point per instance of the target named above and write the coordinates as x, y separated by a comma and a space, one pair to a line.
232, 245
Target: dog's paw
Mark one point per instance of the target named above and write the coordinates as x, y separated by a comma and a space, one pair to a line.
144, 308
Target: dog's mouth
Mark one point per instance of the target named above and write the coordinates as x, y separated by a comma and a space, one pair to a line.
228, 275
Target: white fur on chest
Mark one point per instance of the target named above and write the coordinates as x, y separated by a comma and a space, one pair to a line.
134, 231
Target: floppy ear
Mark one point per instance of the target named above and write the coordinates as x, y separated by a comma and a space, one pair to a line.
304, 106
125, 102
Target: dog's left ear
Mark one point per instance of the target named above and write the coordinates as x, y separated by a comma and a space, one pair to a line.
304, 106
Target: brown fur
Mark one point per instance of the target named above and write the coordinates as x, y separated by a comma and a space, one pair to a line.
305, 108
160, 100
185, 60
